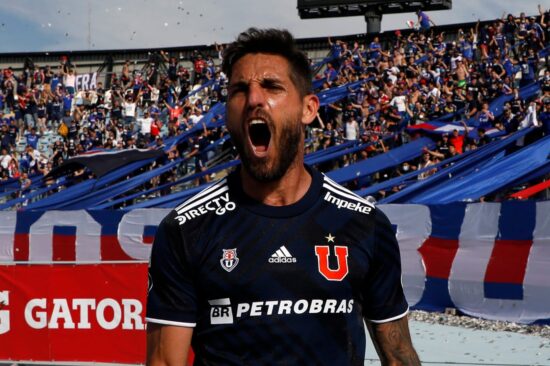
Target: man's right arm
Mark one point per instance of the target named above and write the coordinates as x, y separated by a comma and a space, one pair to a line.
171, 300
168, 344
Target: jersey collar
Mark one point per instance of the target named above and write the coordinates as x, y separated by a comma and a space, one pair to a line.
295, 209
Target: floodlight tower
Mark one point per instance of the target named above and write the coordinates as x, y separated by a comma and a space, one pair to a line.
372, 10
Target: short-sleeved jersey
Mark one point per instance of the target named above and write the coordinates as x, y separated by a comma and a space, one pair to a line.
266, 285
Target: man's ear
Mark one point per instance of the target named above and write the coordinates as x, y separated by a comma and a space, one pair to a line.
310, 108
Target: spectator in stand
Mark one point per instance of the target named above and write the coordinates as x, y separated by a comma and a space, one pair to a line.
184, 82
156, 127
129, 106
443, 146
5, 140
175, 112
41, 116
471, 106
509, 29
425, 162
199, 66
29, 161
145, 124
330, 74
375, 49
482, 138
25, 184
485, 117
457, 139
507, 121
544, 118
196, 117
73, 130
13, 169
5, 159
424, 22
32, 138
466, 44
336, 51
461, 73
69, 77
351, 129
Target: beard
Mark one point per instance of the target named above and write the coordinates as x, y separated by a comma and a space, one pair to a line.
286, 144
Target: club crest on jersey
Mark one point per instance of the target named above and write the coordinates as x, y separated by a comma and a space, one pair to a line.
229, 259
338, 273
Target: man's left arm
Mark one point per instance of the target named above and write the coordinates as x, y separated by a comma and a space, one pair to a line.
386, 310
392, 341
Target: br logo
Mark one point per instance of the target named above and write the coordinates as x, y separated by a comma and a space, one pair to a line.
338, 273
4, 314
229, 259
220, 311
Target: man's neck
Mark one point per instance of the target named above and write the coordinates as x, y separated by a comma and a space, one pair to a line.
283, 192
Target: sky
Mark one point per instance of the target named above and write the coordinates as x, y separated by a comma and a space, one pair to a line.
72, 25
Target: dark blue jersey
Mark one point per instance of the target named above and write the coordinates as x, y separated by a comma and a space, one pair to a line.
265, 285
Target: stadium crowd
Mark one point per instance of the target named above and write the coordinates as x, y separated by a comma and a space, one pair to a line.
421, 76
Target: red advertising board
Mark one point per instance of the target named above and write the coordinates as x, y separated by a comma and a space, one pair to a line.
85, 313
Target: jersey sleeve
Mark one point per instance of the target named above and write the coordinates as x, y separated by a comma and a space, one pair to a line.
171, 298
383, 295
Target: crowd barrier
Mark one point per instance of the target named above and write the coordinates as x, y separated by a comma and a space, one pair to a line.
73, 283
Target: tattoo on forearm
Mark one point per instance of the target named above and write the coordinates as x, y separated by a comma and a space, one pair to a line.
393, 343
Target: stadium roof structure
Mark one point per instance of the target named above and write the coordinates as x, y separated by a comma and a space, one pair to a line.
372, 10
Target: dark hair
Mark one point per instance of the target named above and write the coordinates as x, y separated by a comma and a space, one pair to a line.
271, 41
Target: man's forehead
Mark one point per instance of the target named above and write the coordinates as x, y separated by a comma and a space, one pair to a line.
260, 66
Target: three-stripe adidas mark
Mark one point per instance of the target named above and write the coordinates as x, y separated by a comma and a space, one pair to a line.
282, 255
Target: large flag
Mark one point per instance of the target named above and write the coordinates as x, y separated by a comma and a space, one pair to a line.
103, 162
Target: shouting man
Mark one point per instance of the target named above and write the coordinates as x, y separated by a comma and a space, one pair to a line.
275, 264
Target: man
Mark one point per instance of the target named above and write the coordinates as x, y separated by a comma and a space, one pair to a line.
485, 117
424, 21
375, 49
351, 129
276, 264
5, 158
175, 111
145, 124
5, 140
426, 162
457, 138
507, 121
197, 116
32, 138
544, 118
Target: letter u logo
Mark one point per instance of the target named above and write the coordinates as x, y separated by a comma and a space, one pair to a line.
322, 253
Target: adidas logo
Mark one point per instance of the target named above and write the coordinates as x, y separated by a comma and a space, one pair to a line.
282, 255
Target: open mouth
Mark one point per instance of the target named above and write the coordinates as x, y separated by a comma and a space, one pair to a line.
260, 135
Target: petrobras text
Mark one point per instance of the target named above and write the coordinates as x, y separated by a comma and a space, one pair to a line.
221, 310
